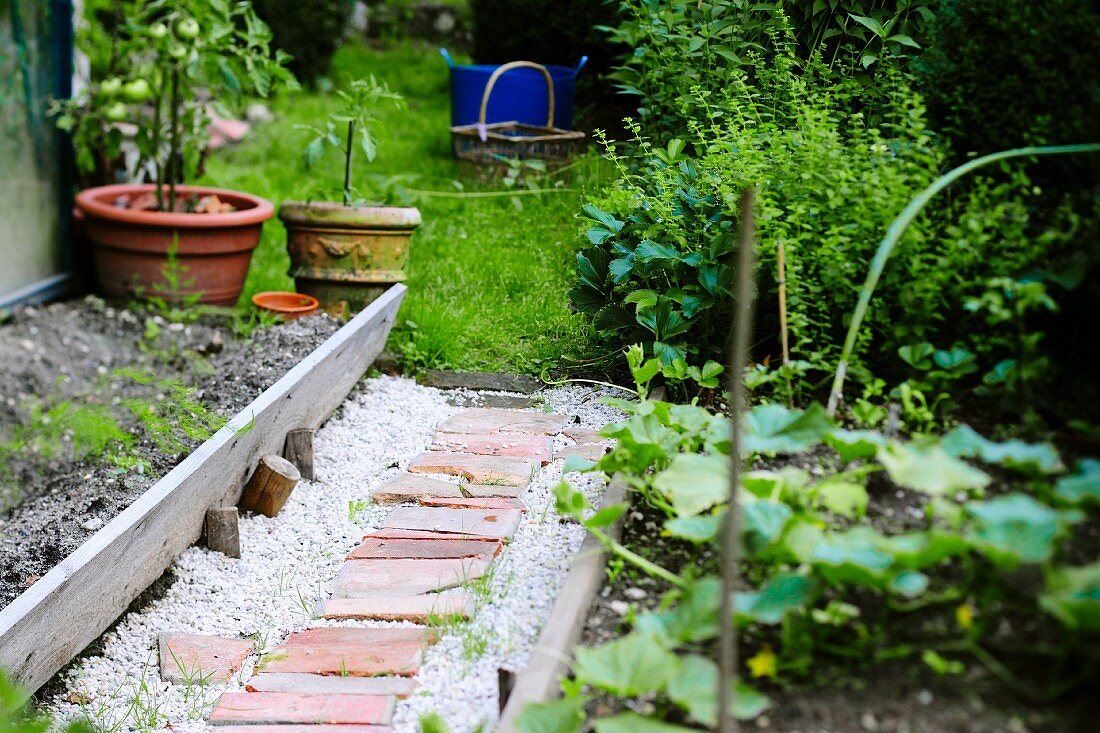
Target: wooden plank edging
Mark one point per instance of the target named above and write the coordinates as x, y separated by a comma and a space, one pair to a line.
540, 680
70, 606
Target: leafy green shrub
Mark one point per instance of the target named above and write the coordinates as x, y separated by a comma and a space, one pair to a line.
309, 30
544, 31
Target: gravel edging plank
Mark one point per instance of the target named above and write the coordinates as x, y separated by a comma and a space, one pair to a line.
539, 681
69, 607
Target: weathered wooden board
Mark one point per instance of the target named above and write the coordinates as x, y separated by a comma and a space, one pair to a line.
540, 680
49, 624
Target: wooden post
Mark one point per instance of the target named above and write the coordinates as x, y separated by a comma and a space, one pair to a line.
270, 486
299, 451
221, 531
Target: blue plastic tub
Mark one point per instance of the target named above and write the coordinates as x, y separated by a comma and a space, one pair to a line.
518, 96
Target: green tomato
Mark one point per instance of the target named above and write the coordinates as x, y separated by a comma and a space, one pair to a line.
177, 51
187, 29
116, 112
158, 30
110, 87
137, 91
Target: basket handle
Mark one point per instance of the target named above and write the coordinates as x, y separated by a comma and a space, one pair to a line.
493, 80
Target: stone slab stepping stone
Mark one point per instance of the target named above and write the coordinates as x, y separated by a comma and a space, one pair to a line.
499, 523
584, 435
304, 729
501, 401
201, 659
482, 420
391, 578
425, 549
358, 637
418, 609
313, 683
493, 381
392, 533
244, 708
488, 502
496, 470
414, 487
356, 655
517, 445
587, 451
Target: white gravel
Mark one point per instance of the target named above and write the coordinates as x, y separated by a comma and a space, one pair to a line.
288, 561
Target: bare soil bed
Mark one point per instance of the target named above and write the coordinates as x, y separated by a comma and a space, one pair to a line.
50, 503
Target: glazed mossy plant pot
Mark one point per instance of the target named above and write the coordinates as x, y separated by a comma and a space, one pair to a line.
176, 256
346, 256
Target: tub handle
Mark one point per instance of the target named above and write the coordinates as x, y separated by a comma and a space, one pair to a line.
451, 62
580, 65
336, 247
482, 131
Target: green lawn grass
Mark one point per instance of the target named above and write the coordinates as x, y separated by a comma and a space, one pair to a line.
488, 279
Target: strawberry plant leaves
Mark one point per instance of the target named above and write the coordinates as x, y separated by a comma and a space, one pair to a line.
559, 716
632, 665
762, 523
854, 444
694, 687
782, 595
1073, 596
694, 483
845, 498
695, 617
1015, 529
1083, 486
634, 723
695, 529
929, 469
1031, 458
773, 428
908, 583
851, 557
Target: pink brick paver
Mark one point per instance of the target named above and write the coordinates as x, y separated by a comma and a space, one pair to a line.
418, 609
481, 420
499, 523
517, 445
398, 578
363, 659
400, 687
394, 533
424, 549
243, 708
358, 637
200, 658
497, 470
488, 502
304, 729
587, 451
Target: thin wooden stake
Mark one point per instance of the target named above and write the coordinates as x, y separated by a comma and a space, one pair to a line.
742, 337
782, 262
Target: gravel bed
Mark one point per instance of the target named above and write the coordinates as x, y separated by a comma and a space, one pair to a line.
289, 560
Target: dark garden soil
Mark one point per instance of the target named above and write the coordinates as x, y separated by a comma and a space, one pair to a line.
855, 695
70, 352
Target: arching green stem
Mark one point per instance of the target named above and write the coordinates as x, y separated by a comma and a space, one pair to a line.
897, 229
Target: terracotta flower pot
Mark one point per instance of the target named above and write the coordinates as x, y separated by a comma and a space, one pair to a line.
130, 247
346, 256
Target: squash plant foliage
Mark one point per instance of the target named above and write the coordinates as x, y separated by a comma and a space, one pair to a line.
826, 581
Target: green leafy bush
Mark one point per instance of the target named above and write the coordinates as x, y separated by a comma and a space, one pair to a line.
309, 30
544, 31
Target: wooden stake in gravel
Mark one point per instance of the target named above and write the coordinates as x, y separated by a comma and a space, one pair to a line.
727, 650
221, 531
299, 451
270, 486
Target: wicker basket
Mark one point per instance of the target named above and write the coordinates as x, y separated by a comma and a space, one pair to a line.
491, 147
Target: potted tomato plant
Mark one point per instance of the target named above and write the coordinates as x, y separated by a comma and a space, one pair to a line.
346, 254
172, 62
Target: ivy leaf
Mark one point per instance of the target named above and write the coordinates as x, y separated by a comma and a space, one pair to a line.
695, 529
773, 428
762, 523
854, 444
1031, 458
782, 595
694, 482
632, 665
1013, 529
694, 687
929, 469
1083, 486
1073, 596
633, 723
565, 715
